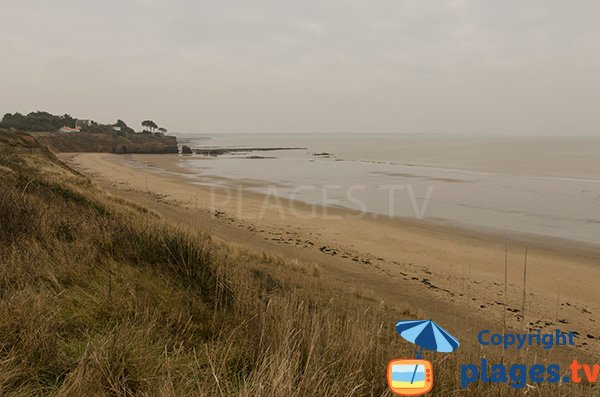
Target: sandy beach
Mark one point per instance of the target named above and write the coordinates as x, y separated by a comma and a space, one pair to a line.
443, 271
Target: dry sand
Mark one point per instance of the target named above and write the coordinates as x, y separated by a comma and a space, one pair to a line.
451, 275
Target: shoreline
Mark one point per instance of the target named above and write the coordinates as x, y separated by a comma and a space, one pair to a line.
439, 268
161, 163
494, 204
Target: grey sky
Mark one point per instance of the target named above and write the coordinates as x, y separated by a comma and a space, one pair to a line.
308, 65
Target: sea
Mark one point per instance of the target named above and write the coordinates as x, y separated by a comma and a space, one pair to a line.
546, 186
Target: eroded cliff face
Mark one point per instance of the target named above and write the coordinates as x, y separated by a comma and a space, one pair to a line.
108, 142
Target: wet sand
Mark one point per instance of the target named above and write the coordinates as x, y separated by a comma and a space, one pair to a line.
453, 275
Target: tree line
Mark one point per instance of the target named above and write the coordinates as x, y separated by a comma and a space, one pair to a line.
37, 121
43, 121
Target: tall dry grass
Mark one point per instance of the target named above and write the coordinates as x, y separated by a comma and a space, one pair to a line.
99, 297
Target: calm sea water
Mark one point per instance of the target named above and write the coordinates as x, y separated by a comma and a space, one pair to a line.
547, 186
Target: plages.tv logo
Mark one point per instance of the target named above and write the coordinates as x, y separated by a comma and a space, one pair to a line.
413, 377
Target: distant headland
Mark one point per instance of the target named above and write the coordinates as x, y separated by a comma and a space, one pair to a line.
69, 134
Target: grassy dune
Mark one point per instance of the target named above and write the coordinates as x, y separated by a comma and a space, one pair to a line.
100, 297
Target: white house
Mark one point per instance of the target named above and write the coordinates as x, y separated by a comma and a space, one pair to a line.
69, 129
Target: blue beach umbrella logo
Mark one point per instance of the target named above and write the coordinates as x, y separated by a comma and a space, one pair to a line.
426, 334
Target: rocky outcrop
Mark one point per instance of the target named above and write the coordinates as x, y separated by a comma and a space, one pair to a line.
108, 142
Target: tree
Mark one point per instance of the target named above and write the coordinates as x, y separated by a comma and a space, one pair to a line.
162, 130
150, 125
68, 120
123, 127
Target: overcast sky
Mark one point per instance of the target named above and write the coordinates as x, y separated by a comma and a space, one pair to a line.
497, 66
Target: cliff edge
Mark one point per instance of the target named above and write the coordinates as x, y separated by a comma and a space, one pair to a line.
108, 142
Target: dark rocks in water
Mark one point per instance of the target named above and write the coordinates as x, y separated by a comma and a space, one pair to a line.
186, 150
322, 154
221, 151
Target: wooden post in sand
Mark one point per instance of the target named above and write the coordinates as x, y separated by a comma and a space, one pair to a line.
524, 288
